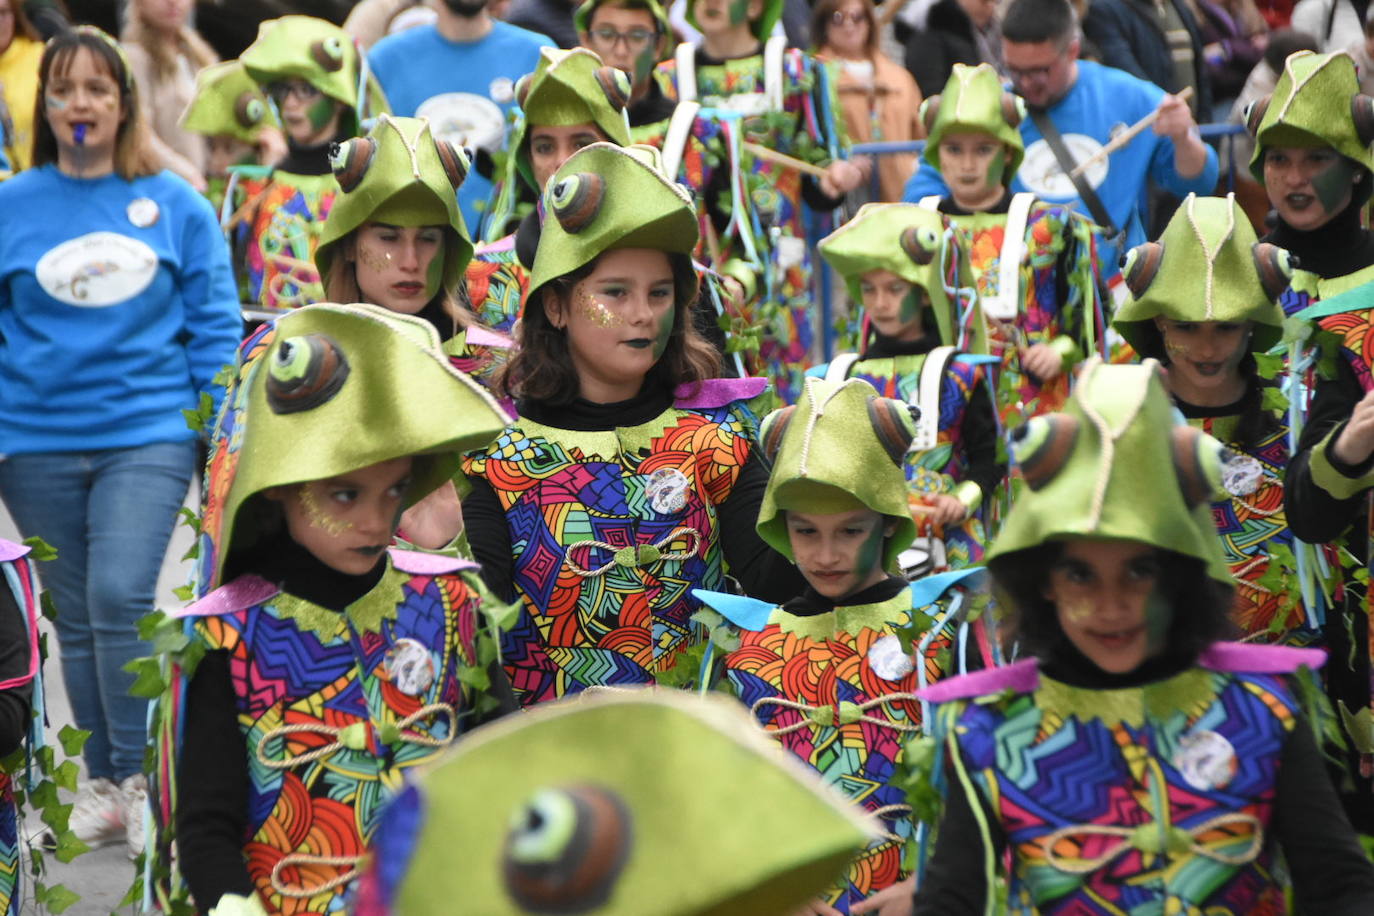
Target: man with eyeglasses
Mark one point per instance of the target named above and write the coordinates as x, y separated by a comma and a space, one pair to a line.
1082, 105
630, 35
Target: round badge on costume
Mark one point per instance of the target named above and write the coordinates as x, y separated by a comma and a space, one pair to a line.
410, 667
1241, 474
667, 490
1206, 760
887, 659
502, 90
143, 212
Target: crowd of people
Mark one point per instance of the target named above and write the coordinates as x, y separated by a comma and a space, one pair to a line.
500, 350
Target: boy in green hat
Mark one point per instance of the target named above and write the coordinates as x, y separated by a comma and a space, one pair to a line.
1207, 338
238, 122
826, 673
320, 88
890, 258
318, 665
1031, 265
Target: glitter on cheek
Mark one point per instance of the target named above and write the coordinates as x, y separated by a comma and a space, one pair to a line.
1175, 349
597, 313
318, 517
377, 262
1078, 610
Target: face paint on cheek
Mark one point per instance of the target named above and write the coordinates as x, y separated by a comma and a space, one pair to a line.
1159, 617
595, 311
910, 311
379, 262
997, 169
1333, 184
1078, 610
434, 275
320, 112
54, 103
318, 517
644, 64
665, 333
1175, 349
871, 552
739, 12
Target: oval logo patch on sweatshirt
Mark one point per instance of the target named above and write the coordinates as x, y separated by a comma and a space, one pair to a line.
97, 269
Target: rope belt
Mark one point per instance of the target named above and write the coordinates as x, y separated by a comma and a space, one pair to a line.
843, 713
1149, 838
354, 736
300, 858
892, 813
636, 555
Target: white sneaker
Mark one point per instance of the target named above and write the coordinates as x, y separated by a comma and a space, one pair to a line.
133, 800
97, 814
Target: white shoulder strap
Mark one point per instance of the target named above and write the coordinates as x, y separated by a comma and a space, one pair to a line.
930, 202
773, 50
1005, 305
927, 398
839, 367
675, 140
686, 58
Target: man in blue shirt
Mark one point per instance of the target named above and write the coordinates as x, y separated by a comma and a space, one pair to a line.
460, 73
1090, 104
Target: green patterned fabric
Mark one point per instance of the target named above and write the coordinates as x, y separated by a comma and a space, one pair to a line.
975, 102
840, 448
319, 52
608, 197
1203, 268
659, 784
874, 240
228, 103
1313, 105
1114, 465
405, 182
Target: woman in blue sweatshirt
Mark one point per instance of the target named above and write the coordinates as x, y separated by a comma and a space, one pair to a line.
117, 309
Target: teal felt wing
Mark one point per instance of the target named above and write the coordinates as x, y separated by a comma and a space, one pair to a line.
928, 590
746, 613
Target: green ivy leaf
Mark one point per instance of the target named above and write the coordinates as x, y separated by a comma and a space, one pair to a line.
69, 846
59, 897
40, 549
148, 680
1274, 399
66, 775
1268, 365
47, 608
184, 592
474, 677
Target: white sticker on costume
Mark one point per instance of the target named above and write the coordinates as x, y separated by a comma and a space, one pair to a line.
791, 251
465, 119
410, 666
887, 659
1241, 474
1041, 174
97, 269
667, 491
1206, 760
502, 90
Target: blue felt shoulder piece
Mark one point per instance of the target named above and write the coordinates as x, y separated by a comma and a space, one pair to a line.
746, 613
928, 590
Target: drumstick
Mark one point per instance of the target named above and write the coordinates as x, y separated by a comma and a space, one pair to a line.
763, 152
1126, 136
889, 12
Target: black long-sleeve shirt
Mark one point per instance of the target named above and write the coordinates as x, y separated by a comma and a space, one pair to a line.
15, 704
761, 571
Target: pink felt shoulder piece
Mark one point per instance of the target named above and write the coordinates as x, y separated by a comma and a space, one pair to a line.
1020, 677
418, 563
1244, 657
717, 392
244, 592
484, 337
11, 551
506, 243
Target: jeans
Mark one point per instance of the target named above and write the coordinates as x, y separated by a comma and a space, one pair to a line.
110, 515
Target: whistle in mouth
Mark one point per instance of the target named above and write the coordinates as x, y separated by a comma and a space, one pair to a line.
79, 133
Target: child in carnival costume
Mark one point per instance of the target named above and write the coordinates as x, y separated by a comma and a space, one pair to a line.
571, 99
395, 237
602, 806
761, 92
238, 122
1209, 342
318, 666
21, 704
830, 673
319, 85
1032, 265
1132, 762
889, 256
630, 476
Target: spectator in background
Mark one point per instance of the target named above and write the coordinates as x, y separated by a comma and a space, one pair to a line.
878, 98
21, 48
1333, 22
1362, 50
553, 18
1156, 40
460, 73
165, 54
952, 32
370, 20
1234, 35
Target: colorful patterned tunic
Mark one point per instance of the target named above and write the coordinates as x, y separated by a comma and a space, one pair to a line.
17, 575
940, 469
610, 530
334, 708
497, 283
1150, 799
735, 95
839, 693
275, 234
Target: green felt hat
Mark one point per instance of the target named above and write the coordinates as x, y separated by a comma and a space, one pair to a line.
762, 27
1207, 266
839, 448
400, 174
582, 18
1317, 102
906, 239
329, 389
1114, 464
975, 102
602, 804
319, 52
568, 88
228, 103
607, 197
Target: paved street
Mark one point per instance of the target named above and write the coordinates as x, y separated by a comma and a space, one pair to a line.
103, 875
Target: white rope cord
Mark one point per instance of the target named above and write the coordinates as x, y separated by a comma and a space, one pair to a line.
330, 731
1211, 254
858, 713
637, 555
892, 812
299, 892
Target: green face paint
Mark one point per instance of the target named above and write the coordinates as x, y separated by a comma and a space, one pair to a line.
434, 274
1334, 184
644, 64
997, 169
739, 12
320, 112
665, 332
1159, 617
870, 559
912, 304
